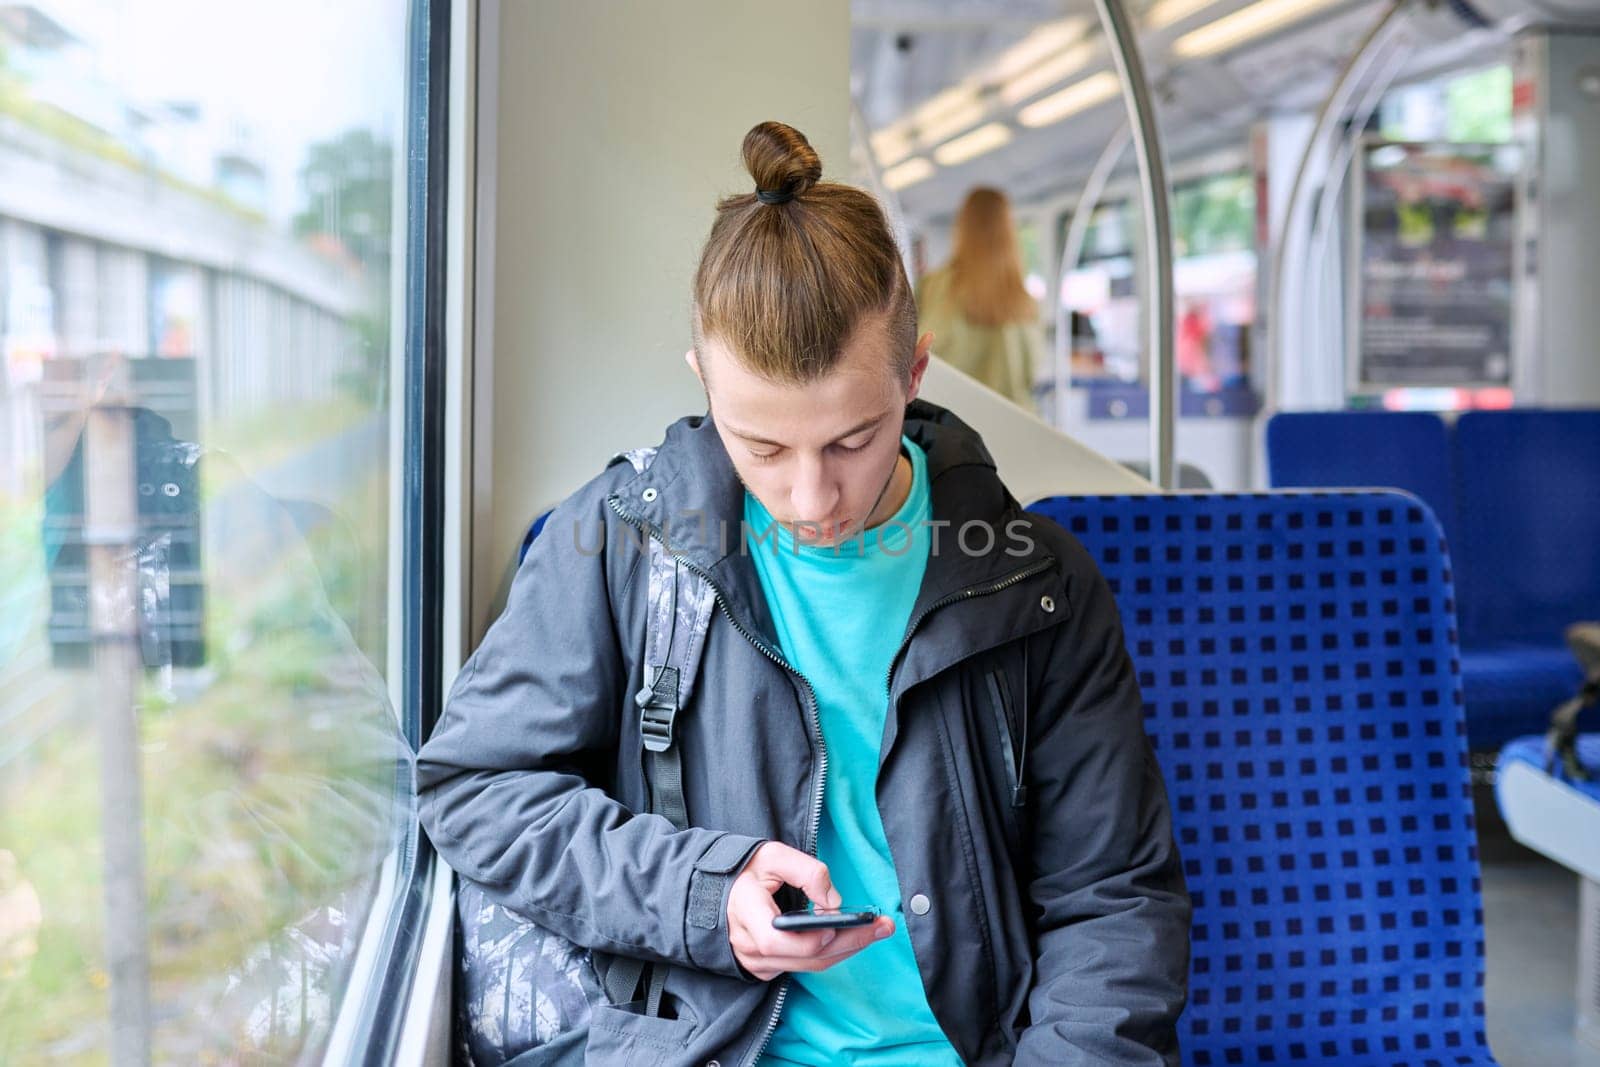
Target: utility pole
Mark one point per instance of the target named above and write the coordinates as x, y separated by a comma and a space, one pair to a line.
111, 535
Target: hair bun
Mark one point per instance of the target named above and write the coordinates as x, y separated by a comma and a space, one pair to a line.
780, 159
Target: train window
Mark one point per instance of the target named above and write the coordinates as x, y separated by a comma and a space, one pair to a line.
1215, 277
1034, 271
1110, 234
1472, 107
1213, 220
1099, 293
1214, 214
213, 267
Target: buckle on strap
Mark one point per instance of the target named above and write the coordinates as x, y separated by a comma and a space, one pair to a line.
658, 707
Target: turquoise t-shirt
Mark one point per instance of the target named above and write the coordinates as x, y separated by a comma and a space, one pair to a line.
840, 615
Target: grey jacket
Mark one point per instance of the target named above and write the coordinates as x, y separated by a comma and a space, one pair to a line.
1052, 933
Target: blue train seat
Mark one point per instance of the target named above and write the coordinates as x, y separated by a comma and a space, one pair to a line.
1297, 658
1528, 492
1530, 752
1528, 487
1551, 813
1407, 450
1512, 687
1518, 494
1298, 661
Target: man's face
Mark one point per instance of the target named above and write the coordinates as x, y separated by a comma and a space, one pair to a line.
819, 456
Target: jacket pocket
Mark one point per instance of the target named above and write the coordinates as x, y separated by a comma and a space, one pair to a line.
1013, 754
622, 1035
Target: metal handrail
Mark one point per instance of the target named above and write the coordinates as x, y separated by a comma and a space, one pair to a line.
1327, 119
1154, 197
1322, 219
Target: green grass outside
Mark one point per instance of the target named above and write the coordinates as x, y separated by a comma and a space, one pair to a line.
265, 796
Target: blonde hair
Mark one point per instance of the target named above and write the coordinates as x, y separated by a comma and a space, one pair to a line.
986, 264
785, 278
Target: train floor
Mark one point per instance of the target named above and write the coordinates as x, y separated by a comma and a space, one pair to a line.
1530, 907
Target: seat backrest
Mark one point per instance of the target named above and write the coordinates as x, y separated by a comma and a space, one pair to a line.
1528, 485
1297, 658
1407, 450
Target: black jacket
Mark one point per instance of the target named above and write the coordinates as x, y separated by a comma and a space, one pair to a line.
1058, 931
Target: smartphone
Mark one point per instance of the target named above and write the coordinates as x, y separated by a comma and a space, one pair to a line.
842, 919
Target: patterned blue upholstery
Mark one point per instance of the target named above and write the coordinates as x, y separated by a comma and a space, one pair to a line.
1407, 450
1297, 656
1518, 493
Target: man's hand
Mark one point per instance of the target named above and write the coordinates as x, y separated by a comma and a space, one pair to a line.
767, 953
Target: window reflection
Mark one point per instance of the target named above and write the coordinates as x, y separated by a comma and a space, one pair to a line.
198, 753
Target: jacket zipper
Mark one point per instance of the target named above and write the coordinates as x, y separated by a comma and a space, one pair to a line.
816, 726
965, 594
999, 699
811, 698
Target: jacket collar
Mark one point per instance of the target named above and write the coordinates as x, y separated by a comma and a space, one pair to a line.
697, 504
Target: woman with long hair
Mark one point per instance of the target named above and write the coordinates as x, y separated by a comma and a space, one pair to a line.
983, 321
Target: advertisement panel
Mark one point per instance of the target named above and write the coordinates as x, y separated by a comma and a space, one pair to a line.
1433, 265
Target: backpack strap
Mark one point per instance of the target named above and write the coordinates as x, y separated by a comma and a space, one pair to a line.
677, 617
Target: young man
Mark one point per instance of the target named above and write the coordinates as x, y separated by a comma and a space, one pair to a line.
913, 696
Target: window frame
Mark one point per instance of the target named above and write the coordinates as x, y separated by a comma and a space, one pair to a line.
371, 1017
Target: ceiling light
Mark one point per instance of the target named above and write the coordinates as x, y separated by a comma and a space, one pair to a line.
1076, 97
940, 106
1243, 25
1166, 12
1055, 69
935, 125
1042, 42
908, 173
971, 145
890, 146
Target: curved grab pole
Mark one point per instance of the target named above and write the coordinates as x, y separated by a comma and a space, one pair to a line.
1072, 251
1332, 108
1317, 244
1153, 197
1392, 60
